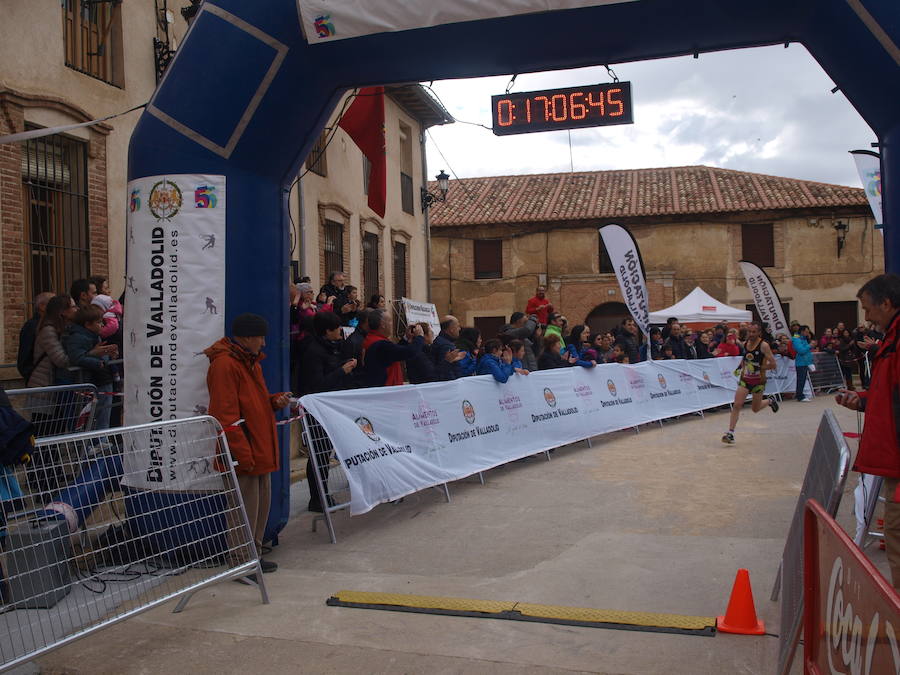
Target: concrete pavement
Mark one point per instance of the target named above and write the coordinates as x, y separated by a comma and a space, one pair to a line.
658, 521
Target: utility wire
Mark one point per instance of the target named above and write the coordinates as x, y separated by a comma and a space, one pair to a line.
447, 162
331, 131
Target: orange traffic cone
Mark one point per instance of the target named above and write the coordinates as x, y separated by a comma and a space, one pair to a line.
741, 614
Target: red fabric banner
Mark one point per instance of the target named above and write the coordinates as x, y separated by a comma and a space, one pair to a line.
364, 122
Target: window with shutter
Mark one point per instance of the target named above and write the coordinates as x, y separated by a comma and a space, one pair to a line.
367, 171
758, 244
92, 39
316, 159
488, 258
406, 170
606, 266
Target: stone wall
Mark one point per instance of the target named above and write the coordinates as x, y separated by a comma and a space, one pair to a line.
678, 256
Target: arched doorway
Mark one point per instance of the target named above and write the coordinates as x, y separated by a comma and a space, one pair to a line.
606, 316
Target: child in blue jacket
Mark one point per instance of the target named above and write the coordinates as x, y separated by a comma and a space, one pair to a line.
80, 341
495, 361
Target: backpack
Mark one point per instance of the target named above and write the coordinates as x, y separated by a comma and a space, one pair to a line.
25, 364
16, 438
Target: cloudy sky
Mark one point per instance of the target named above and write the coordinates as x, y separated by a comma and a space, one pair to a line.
768, 110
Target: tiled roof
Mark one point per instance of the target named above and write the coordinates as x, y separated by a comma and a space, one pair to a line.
634, 193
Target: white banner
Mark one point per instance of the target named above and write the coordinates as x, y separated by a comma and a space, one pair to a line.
174, 309
328, 20
393, 441
868, 164
421, 312
626, 261
766, 299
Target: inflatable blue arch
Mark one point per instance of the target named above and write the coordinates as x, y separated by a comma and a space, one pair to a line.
251, 87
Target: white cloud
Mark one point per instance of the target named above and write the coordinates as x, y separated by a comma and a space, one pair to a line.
767, 110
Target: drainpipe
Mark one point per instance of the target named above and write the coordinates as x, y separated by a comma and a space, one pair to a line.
426, 225
301, 233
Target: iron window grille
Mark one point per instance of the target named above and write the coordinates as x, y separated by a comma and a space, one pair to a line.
333, 246
55, 201
370, 264
400, 289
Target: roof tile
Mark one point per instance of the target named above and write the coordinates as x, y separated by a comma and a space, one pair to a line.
586, 195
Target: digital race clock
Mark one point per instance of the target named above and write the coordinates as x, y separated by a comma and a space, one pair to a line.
571, 108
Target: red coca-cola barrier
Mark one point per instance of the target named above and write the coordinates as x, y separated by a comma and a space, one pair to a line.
852, 614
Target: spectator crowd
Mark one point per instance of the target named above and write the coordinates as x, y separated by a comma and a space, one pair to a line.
337, 343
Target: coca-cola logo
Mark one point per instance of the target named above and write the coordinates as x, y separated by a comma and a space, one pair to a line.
845, 630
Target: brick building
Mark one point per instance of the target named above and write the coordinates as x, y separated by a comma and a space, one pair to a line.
62, 197
497, 237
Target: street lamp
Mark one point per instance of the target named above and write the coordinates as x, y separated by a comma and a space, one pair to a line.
429, 198
842, 229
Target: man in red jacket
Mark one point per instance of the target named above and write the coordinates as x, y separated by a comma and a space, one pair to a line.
237, 391
879, 447
540, 306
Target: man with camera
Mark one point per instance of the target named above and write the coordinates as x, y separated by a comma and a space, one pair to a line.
381, 358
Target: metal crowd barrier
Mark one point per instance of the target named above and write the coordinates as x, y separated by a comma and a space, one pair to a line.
116, 538
827, 376
871, 488
328, 478
824, 481
57, 410
113, 390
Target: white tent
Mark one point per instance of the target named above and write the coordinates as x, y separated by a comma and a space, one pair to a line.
700, 307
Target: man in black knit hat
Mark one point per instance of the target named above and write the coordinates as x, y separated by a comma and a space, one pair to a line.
237, 391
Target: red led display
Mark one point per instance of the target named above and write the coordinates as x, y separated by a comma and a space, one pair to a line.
571, 108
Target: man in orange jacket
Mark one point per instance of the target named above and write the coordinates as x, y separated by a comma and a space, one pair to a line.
237, 391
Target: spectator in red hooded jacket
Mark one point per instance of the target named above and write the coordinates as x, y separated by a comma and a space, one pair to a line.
539, 306
879, 447
237, 391
729, 347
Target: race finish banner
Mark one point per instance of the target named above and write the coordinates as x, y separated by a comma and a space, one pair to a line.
626, 261
766, 299
175, 283
421, 312
394, 441
329, 20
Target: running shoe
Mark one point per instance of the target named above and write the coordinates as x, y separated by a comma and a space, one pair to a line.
773, 404
728, 438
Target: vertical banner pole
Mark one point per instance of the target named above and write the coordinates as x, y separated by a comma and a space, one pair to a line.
765, 297
625, 256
